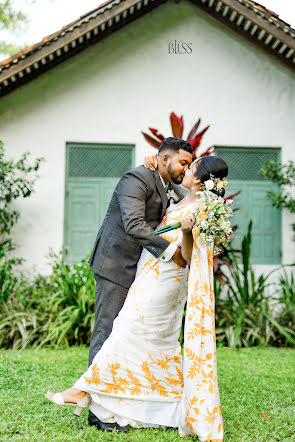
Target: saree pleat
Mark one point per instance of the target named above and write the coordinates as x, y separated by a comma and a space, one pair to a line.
200, 411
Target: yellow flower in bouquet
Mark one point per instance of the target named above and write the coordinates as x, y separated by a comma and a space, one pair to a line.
202, 216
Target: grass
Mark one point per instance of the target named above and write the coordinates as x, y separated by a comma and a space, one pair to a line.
251, 381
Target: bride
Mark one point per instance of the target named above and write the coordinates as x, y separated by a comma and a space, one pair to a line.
140, 377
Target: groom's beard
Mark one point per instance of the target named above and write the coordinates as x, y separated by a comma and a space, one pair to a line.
176, 178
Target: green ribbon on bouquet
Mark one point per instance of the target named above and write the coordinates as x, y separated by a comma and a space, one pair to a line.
167, 228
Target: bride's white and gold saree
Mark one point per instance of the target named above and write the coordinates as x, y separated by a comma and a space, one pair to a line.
140, 376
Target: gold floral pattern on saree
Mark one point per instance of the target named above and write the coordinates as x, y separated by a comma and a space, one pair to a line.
169, 384
200, 406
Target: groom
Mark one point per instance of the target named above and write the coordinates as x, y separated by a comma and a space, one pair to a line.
137, 206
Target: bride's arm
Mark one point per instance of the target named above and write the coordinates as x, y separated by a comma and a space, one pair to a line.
187, 223
150, 162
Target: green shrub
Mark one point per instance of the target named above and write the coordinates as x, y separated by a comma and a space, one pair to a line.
58, 310
284, 176
246, 315
8, 280
285, 296
54, 310
17, 179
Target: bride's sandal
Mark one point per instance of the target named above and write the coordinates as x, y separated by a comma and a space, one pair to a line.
80, 406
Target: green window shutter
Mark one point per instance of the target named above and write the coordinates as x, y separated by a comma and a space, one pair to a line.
92, 173
244, 165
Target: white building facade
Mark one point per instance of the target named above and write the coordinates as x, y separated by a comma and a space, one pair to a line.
85, 117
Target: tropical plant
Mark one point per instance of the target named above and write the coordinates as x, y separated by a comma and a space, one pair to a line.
55, 310
284, 176
194, 137
285, 296
8, 280
72, 300
245, 315
17, 179
10, 20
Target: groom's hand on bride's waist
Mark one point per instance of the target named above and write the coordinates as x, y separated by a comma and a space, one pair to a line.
178, 258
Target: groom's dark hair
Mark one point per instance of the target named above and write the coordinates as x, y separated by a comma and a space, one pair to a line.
175, 144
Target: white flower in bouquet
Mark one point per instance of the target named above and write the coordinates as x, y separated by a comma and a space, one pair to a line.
204, 225
209, 184
223, 225
212, 216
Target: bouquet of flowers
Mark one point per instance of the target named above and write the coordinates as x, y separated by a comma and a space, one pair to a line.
212, 215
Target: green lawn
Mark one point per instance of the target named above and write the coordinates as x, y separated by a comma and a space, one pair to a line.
251, 381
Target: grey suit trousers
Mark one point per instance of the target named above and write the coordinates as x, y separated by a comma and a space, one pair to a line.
109, 299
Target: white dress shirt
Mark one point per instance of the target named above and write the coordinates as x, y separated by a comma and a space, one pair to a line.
171, 249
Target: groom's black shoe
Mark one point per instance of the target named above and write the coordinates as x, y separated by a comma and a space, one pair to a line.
93, 420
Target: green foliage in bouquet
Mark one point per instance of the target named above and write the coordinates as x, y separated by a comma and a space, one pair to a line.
55, 310
246, 315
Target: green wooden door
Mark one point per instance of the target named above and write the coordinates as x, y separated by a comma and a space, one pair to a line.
244, 165
92, 173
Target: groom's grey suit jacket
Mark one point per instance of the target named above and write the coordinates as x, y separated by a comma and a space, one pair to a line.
137, 206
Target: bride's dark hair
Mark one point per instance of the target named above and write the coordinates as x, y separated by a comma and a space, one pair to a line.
211, 165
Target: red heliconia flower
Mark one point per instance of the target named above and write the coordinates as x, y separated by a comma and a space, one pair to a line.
152, 141
209, 151
230, 197
157, 134
196, 142
193, 131
194, 137
176, 124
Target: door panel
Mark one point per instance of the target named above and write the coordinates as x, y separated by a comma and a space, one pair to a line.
266, 231
244, 165
87, 197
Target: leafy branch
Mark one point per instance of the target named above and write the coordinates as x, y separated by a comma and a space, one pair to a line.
17, 179
284, 176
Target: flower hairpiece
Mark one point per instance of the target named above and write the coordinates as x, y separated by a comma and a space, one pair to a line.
215, 183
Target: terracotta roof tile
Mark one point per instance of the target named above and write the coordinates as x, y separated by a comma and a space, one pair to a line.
267, 13
49, 37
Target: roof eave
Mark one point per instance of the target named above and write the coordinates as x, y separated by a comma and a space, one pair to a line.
270, 36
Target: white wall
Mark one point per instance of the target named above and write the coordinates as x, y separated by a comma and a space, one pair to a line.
115, 89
